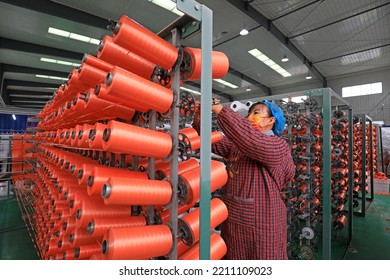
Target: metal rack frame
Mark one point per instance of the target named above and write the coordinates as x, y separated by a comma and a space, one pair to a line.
197, 17
327, 95
379, 146
364, 118
9, 164
195, 13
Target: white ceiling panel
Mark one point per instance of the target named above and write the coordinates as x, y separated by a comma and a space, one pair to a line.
33, 60
32, 27
344, 42
377, 58
273, 9
355, 34
30, 78
144, 12
261, 39
321, 13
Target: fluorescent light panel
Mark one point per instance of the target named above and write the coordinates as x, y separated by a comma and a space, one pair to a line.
225, 83
269, 62
190, 90
62, 62
167, 5
14, 117
51, 77
73, 36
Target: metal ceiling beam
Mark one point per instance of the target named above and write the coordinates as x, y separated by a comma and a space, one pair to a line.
351, 53
29, 101
240, 74
297, 9
30, 106
28, 84
250, 80
31, 90
12, 95
2, 86
244, 7
234, 37
26, 70
215, 91
19, 111
38, 49
4, 96
337, 21
30, 93
62, 11
30, 70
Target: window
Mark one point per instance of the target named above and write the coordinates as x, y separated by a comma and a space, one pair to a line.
359, 90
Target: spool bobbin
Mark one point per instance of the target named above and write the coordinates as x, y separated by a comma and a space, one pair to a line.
187, 103
161, 76
184, 147
182, 191
185, 233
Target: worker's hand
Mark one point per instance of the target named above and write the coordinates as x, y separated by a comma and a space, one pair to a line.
196, 120
216, 106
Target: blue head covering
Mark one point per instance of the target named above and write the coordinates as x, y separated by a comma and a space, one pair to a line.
277, 113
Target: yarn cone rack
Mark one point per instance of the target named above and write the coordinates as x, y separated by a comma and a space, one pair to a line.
100, 183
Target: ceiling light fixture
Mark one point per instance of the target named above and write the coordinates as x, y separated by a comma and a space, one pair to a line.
14, 117
308, 77
73, 36
51, 77
225, 83
190, 90
269, 62
167, 5
244, 31
62, 62
285, 59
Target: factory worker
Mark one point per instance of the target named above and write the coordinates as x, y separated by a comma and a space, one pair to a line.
259, 165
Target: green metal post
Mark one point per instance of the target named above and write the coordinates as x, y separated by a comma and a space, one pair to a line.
326, 173
205, 15
380, 147
350, 173
364, 161
174, 132
371, 162
205, 148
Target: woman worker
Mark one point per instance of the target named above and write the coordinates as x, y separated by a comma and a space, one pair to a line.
259, 165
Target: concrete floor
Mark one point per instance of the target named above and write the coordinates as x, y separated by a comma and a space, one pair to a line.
371, 234
15, 241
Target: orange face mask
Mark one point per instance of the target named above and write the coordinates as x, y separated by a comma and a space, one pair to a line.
256, 121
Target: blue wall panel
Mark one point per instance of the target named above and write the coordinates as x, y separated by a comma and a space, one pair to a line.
7, 123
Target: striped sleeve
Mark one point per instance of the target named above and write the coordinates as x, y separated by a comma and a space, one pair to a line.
222, 148
268, 150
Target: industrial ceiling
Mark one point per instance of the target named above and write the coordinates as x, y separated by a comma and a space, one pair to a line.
321, 38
